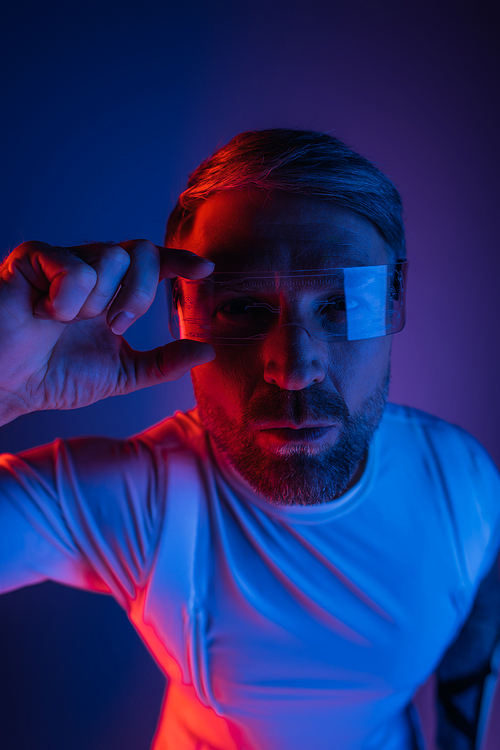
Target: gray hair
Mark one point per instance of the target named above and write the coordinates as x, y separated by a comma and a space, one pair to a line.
296, 161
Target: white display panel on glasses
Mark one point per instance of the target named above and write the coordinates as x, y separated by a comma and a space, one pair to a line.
242, 308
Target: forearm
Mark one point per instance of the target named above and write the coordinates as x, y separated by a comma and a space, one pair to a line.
466, 670
459, 710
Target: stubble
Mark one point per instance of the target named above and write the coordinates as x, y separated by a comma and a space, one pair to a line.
296, 474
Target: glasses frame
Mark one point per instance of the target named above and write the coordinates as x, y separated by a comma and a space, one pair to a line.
395, 292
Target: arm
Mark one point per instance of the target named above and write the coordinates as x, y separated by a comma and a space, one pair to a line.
62, 316
467, 672
81, 512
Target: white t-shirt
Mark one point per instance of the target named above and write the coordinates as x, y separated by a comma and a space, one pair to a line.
278, 628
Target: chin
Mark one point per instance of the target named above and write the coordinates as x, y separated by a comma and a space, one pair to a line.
295, 474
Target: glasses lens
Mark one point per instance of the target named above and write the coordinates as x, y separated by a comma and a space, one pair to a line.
341, 303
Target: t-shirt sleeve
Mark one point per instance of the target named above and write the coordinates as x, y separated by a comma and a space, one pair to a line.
82, 512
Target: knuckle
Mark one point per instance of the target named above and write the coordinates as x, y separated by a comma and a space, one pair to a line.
144, 297
83, 275
58, 313
145, 247
144, 243
116, 254
140, 299
33, 246
89, 311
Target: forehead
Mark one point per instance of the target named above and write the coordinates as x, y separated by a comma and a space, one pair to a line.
262, 230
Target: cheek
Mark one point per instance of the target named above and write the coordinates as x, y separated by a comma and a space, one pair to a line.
358, 367
230, 379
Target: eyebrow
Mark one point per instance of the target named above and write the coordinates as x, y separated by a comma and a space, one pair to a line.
254, 265
346, 252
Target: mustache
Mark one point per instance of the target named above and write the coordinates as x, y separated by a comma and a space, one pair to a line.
296, 407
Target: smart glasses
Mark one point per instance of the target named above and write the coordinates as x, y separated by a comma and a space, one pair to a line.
332, 304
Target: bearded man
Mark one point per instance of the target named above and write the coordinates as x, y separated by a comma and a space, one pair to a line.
298, 554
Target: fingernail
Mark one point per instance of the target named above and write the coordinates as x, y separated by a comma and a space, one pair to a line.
121, 322
207, 353
202, 260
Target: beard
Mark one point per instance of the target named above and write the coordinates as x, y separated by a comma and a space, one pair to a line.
295, 474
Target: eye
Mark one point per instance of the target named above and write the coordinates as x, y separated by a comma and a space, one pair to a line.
237, 306
246, 306
333, 304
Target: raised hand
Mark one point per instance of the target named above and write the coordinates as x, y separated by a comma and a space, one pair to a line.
62, 315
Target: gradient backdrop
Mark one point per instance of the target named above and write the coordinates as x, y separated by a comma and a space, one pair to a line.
106, 107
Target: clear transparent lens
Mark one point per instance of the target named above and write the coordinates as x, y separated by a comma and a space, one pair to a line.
333, 304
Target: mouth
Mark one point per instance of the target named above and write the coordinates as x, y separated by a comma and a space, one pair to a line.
303, 433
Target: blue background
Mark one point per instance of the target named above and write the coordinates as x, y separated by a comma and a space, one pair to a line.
106, 107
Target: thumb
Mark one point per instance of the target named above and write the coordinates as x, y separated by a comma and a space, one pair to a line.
166, 363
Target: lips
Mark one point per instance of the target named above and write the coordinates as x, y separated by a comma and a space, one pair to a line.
298, 434
292, 425
283, 433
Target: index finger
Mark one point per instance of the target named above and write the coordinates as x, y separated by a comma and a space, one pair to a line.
179, 262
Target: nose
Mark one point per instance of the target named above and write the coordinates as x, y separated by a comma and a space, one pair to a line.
293, 359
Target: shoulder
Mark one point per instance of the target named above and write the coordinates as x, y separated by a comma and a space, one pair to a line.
445, 440
444, 446
456, 471
104, 461
180, 432
409, 415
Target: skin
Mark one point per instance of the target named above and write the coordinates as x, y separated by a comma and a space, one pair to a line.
247, 393
63, 311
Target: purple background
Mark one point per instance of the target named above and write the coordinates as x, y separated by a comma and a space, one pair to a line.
105, 110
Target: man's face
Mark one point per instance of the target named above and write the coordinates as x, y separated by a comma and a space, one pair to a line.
293, 414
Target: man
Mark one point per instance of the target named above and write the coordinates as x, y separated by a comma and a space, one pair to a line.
298, 555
